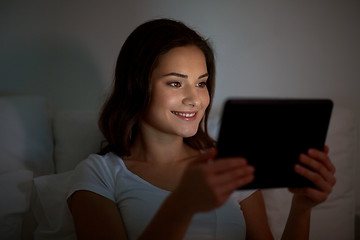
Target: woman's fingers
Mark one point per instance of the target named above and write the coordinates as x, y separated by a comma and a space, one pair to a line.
225, 164
231, 174
227, 174
317, 179
229, 186
319, 170
234, 170
322, 157
212, 180
211, 183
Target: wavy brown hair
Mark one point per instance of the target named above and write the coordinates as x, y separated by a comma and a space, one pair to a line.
130, 94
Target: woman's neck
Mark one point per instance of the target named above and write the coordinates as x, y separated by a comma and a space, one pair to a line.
160, 148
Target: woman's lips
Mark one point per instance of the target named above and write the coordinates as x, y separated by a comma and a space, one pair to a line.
185, 115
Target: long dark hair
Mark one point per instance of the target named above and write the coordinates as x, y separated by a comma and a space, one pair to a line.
130, 96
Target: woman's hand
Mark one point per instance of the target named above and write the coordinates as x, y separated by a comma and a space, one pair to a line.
321, 172
207, 183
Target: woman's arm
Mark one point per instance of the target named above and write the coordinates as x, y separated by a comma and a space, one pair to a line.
96, 217
298, 223
257, 226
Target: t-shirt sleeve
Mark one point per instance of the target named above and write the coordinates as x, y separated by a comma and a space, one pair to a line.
241, 195
94, 174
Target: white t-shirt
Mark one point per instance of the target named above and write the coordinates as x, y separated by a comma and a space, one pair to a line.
138, 200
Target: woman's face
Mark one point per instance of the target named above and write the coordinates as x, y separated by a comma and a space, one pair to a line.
179, 95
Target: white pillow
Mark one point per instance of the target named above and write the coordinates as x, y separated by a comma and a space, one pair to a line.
333, 219
14, 201
25, 135
76, 136
50, 207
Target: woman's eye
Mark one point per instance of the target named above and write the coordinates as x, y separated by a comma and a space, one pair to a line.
201, 84
174, 84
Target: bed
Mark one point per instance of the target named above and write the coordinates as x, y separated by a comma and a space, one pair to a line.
40, 148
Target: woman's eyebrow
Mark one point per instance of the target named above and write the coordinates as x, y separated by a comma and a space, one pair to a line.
184, 76
204, 75
176, 75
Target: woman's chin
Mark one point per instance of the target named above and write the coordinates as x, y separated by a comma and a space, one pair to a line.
189, 134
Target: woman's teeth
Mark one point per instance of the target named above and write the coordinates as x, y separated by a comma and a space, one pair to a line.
188, 115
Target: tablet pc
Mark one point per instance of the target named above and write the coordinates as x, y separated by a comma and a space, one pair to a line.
271, 134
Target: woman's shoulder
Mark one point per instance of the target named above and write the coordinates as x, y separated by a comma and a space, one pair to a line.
109, 162
97, 173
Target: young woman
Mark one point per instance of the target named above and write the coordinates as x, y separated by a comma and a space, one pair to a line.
158, 177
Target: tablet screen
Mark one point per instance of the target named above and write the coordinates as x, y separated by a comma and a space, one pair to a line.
271, 134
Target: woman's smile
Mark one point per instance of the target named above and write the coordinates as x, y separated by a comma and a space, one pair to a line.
185, 115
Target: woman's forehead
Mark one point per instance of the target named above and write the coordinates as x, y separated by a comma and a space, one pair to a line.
181, 60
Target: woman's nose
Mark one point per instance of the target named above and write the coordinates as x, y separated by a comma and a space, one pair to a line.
191, 97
